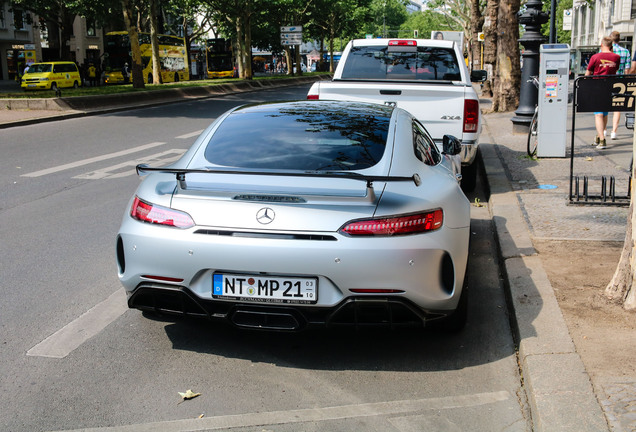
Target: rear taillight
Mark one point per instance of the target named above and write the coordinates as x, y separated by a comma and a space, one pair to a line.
398, 225
312, 97
471, 115
154, 214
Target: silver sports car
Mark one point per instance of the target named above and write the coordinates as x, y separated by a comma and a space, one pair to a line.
291, 215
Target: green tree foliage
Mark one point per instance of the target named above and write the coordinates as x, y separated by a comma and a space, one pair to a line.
386, 17
191, 16
331, 19
563, 36
425, 23
456, 12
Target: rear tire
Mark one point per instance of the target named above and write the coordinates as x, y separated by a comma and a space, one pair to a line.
150, 81
176, 78
469, 177
75, 85
54, 86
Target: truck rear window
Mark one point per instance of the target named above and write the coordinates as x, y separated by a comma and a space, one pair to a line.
378, 63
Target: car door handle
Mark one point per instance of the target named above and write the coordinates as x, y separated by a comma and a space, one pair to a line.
390, 92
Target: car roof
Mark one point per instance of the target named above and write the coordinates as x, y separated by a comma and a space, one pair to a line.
349, 108
420, 42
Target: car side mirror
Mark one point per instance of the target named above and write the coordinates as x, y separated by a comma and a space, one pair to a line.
478, 75
451, 145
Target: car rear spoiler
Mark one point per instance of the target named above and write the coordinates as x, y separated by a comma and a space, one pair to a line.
369, 179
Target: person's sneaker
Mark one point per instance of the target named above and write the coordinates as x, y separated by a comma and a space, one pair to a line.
602, 145
597, 141
613, 135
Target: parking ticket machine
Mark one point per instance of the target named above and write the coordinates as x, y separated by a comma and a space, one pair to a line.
554, 72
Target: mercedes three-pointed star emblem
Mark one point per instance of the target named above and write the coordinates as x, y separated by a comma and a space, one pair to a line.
265, 215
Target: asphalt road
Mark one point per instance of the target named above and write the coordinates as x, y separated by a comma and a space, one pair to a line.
74, 357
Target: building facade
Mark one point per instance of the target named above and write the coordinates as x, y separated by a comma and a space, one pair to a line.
26, 39
16, 40
594, 20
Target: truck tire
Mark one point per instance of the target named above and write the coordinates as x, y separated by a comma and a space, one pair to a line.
469, 177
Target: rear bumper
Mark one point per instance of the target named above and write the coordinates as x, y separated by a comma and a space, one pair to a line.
469, 152
358, 312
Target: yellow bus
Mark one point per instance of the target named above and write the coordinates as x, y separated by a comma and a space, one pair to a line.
220, 58
117, 58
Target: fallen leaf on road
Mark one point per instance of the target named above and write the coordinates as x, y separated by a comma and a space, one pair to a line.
589, 158
478, 203
188, 395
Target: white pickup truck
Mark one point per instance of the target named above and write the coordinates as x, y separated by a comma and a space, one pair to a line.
429, 78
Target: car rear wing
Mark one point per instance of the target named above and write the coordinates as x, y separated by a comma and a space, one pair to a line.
181, 173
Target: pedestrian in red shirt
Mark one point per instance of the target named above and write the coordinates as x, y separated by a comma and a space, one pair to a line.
604, 63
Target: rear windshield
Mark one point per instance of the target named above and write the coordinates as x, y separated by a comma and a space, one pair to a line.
306, 137
39, 68
382, 63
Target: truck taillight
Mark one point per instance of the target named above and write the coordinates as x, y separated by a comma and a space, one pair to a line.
312, 97
471, 115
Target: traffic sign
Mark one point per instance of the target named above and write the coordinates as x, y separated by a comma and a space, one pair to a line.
291, 35
295, 29
286, 42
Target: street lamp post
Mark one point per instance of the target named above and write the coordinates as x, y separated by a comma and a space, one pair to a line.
532, 39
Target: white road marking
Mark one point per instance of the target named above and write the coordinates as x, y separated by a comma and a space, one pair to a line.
190, 135
311, 414
127, 168
68, 338
92, 160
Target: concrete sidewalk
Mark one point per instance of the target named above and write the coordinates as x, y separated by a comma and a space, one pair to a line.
559, 390
529, 200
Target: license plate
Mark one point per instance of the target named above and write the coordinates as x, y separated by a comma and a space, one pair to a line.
31, 85
265, 289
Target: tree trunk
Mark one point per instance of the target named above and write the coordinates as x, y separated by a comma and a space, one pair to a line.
476, 25
187, 39
154, 39
331, 38
299, 69
66, 29
508, 72
621, 287
490, 44
137, 73
239, 49
247, 43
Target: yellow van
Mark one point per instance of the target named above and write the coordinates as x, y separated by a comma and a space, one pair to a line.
51, 75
